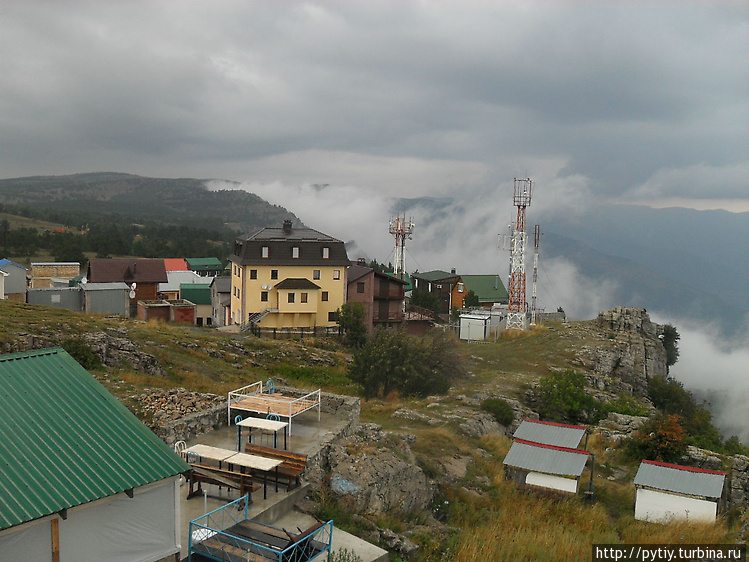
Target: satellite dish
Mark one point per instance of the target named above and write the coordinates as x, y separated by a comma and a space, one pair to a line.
133, 286
132, 294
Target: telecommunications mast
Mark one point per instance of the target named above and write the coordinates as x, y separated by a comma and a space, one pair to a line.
536, 239
516, 287
402, 231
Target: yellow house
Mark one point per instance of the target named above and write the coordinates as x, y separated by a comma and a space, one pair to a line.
287, 278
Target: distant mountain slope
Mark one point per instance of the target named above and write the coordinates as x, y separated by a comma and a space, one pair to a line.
179, 201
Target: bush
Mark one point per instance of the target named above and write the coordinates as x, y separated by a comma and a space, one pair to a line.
562, 398
661, 438
500, 408
626, 405
81, 352
352, 318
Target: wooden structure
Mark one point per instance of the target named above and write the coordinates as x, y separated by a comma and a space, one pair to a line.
261, 427
228, 534
258, 400
292, 465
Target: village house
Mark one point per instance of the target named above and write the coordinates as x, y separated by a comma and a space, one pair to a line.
439, 283
382, 295
16, 281
83, 478
488, 288
142, 275
205, 267
287, 278
221, 301
50, 274
200, 295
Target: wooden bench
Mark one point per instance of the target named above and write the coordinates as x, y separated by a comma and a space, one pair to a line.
220, 477
292, 466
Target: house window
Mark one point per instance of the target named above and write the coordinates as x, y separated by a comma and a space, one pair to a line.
253, 274
303, 297
324, 296
264, 296
360, 287
295, 252
336, 274
331, 316
316, 274
274, 274
291, 297
460, 287
265, 252
325, 253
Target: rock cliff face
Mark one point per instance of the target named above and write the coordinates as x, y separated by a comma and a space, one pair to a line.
633, 354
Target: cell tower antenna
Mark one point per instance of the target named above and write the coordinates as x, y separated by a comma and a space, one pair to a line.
517, 306
402, 231
536, 240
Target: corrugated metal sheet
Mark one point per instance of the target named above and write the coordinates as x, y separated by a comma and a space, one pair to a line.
545, 458
65, 440
680, 479
550, 433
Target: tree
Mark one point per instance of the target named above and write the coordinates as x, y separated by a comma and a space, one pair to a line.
562, 397
425, 299
661, 438
670, 339
351, 317
471, 300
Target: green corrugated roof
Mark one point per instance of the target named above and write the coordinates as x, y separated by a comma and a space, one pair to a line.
66, 441
434, 275
204, 264
196, 293
488, 288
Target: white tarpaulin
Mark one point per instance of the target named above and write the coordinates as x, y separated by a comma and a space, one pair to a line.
552, 482
123, 529
660, 506
32, 541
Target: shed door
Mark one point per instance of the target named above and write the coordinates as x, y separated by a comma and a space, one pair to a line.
651, 505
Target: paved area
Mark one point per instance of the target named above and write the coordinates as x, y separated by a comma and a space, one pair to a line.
308, 435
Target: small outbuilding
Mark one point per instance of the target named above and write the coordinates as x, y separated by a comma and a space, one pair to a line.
69, 298
664, 492
16, 281
106, 298
547, 467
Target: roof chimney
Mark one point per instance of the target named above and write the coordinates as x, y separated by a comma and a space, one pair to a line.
287, 226
361, 261
452, 271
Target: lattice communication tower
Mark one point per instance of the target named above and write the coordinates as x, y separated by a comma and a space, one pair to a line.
516, 287
402, 231
536, 240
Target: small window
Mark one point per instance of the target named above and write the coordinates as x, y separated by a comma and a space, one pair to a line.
303, 297
291, 297
360, 287
265, 251
253, 274
274, 274
336, 274
331, 316
316, 274
295, 252
460, 287
325, 253
324, 296
264, 296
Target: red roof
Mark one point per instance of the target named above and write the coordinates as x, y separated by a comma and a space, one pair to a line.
175, 264
143, 270
688, 468
545, 446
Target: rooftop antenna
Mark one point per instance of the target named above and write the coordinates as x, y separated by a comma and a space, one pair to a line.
517, 303
536, 240
402, 231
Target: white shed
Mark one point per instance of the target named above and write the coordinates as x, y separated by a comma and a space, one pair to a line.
545, 466
475, 326
670, 491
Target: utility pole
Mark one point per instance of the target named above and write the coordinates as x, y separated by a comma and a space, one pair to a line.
536, 239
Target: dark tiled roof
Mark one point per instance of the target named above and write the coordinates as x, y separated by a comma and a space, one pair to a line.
296, 283
143, 270
280, 243
357, 272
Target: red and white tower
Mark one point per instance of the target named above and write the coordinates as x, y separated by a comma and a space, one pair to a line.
402, 231
516, 287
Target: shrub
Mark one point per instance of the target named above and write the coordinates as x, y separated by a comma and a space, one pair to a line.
626, 405
81, 352
500, 408
562, 397
661, 438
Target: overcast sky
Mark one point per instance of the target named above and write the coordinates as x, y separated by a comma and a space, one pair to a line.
627, 100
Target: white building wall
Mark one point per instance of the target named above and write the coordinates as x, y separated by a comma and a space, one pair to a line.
654, 506
551, 481
32, 541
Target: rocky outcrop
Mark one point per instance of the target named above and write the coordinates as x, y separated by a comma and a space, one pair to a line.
119, 351
375, 472
632, 354
738, 484
617, 427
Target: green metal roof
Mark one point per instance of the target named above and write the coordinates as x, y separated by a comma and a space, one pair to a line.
196, 293
66, 441
434, 275
488, 288
204, 264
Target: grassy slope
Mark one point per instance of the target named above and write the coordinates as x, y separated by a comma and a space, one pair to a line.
497, 521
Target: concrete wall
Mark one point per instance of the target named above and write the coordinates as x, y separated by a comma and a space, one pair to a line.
69, 298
